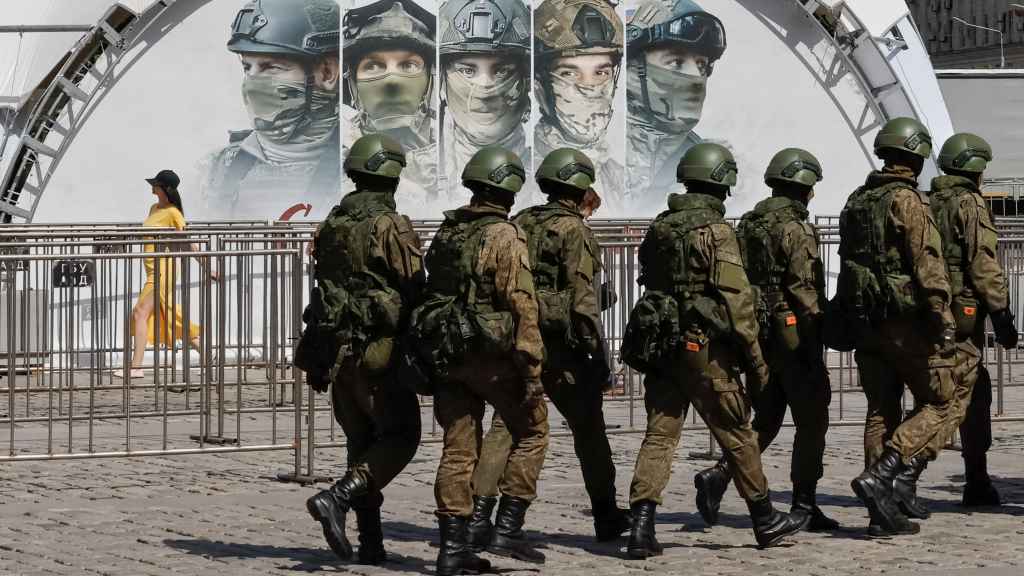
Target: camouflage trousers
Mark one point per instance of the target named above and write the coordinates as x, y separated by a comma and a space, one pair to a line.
579, 402
381, 421
805, 389
459, 409
894, 356
970, 409
718, 396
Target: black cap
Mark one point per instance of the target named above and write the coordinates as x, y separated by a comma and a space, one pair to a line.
165, 179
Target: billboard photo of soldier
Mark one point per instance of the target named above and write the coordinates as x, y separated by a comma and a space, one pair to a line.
671, 50
578, 50
485, 84
288, 158
388, 54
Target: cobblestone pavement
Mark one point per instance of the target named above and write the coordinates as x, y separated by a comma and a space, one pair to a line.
227, 514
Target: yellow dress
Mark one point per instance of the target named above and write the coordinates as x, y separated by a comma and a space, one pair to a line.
164, 218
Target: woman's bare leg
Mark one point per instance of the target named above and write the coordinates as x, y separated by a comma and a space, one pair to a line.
140, 316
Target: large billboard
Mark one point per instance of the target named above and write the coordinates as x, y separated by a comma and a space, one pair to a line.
254, 102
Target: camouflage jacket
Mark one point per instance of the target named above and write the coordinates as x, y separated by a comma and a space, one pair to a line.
564, 259
652, 156
969, 241
691, 250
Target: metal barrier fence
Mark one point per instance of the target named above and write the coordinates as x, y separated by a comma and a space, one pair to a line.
66, 299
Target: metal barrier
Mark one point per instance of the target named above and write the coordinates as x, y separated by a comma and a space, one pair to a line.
66, 296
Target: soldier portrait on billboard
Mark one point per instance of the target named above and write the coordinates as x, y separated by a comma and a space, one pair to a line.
672, 49
290, 154
485, 83
388, 79
578, 46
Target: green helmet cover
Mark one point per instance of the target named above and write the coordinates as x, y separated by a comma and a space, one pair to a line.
793, 165
965, 152
377, 155
297, 28
707, 162
904, 135
567, 166
496, 167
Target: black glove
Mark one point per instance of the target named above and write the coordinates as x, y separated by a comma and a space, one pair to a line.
757, 379
608, 296
1006, 331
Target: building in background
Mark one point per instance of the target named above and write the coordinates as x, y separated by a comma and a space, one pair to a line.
953, 44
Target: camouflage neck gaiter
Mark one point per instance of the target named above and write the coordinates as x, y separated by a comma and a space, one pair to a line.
583, 112
286, 131
676, 99
393, 100
485, 113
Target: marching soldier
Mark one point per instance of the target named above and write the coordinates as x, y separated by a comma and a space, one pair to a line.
369, 274
564, 259
692, 334
780, 250
893, 297
479, 324
979, 290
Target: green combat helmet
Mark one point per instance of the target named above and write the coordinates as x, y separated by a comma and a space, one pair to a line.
495, 167
299, 28
567, 166
707, 162
376, 155
793, 165
965, 152
904, 135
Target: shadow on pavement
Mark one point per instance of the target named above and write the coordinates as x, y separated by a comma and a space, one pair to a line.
306, 559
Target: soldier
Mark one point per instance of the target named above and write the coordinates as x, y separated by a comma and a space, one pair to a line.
289, 54
672, 48
780, 250
388, 70
485, 82
979, 289
577, 57
368, 268
692, 333
563, 254
893, 297
481, 288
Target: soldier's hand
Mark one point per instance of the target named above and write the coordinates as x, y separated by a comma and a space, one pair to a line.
608, 296
318, 381
533, 393
757, 379
1005, 329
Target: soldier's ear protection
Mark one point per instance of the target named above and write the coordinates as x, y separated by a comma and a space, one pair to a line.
965, 156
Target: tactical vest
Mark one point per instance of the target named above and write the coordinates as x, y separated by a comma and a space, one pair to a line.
361, 301
874, 281
945, 205
760, 235
674, 275
451, 262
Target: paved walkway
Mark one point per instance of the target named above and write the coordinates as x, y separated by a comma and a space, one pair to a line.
226, 514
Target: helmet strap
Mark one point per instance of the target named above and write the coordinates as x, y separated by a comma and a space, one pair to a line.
644, 94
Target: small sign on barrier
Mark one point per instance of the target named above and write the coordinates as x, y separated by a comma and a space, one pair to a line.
74, 273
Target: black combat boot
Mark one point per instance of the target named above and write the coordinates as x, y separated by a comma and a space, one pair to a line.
770, 525
509, 540
371, 536
610, 521
805, 508
711, 486
874, 488
330, 506
479, 527
978, 490
642, 540
904, 489
454, 556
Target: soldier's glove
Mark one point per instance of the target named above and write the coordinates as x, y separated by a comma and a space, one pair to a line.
318, 380
757, 379
608, 296
1006, 331
533, 393
942, 327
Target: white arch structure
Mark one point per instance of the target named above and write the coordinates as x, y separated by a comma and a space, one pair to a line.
874, 41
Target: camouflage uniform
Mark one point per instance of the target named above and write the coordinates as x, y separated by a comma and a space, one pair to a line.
570, 265
369, 271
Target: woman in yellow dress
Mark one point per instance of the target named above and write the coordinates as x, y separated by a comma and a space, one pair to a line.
166, 213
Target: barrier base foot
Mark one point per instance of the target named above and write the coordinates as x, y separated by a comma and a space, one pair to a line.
303, 479
221, 440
